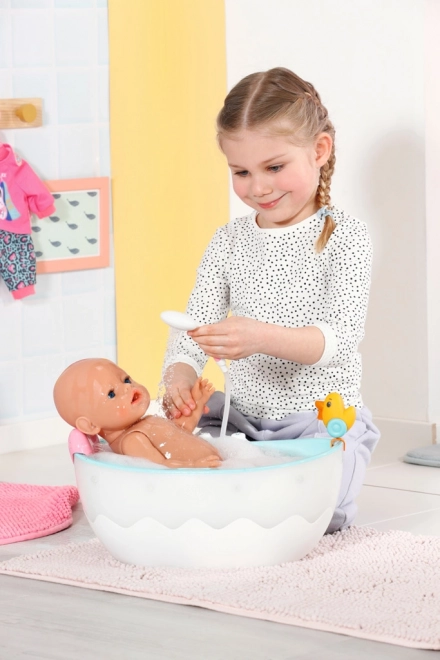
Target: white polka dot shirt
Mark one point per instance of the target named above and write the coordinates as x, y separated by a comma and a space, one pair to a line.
276, 276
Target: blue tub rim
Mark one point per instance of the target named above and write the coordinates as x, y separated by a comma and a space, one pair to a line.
297, 444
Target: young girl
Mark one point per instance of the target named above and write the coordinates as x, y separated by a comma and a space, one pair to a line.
295, 276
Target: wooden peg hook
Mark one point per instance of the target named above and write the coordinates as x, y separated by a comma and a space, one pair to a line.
27, 112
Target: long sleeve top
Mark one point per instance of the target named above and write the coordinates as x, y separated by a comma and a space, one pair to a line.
276, 276
21, 193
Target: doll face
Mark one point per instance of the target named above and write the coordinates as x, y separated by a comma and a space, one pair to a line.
114, 400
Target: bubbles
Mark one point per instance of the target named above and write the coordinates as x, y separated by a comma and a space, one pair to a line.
237, 452
168, 372
128, 461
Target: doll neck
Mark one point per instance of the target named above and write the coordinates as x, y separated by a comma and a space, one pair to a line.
111, 436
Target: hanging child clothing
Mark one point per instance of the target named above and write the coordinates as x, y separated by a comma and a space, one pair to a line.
21, 194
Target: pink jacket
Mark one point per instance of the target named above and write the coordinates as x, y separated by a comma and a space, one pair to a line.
21, 193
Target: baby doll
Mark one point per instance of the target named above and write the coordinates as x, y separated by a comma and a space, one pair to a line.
97, 397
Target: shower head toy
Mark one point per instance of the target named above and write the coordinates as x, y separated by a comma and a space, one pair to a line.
335, 416
181, 321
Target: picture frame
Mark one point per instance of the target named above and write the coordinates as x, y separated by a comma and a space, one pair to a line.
76, 235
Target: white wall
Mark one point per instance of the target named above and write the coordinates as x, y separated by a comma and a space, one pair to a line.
432, 102
57, 50
367, 61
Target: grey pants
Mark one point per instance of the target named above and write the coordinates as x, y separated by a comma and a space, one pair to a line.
360, 442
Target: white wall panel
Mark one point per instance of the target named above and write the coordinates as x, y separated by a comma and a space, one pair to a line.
432, 102
56, 50
367, 61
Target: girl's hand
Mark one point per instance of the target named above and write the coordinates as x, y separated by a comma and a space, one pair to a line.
179, 380
234, 338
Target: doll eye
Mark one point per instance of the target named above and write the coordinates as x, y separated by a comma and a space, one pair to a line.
111, 394
127, 380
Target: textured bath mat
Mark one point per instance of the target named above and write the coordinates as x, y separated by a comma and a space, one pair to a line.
382, 586
28, 511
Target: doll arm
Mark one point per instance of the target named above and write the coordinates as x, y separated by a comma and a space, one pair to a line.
138, 445
39, 199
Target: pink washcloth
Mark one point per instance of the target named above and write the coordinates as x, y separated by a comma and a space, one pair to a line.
28, 511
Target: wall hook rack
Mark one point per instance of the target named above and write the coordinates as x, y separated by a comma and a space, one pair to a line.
21, 113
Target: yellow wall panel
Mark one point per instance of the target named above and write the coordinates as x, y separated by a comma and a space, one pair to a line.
169, 179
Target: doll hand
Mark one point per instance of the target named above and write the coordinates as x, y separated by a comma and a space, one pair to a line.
234, 338
208, 462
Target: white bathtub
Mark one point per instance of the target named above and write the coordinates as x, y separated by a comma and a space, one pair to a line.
213, 517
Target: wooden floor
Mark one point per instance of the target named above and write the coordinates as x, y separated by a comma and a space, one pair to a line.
42, 621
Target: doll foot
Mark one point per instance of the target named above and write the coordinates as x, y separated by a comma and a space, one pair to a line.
202, 390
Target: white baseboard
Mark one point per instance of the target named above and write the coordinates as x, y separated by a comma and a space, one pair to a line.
33, 434
399, 436
40, 433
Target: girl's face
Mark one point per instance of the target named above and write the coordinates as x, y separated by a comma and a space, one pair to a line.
275, 177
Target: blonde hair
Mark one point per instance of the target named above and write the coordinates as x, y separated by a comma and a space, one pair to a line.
279, 97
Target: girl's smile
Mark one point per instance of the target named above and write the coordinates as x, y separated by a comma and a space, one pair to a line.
270, 205
275, 177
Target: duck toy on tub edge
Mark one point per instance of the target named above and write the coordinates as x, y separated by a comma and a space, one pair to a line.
336, 417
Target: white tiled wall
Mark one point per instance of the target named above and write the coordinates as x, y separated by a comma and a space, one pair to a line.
56, 50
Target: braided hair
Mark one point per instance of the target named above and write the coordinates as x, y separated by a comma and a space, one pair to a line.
273, 96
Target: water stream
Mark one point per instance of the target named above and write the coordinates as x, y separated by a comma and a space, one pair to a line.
227, 404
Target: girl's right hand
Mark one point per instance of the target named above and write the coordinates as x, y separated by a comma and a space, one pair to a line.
179, 380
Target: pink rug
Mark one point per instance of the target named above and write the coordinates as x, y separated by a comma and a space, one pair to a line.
28, 511
382, 586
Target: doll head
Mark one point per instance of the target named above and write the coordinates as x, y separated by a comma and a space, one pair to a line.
96, 396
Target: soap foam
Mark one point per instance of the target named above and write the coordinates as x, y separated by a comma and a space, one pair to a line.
128, 461
238, 452
235, 450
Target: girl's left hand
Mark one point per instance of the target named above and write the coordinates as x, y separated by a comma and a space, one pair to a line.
234, 338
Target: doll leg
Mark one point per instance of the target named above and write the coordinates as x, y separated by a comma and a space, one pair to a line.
201, 392
23, 291
18, 265
4, 237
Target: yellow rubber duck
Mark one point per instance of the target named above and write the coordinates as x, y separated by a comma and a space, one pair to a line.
335, 416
